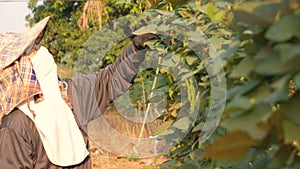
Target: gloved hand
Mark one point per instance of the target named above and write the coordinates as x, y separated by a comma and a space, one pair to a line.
139, 40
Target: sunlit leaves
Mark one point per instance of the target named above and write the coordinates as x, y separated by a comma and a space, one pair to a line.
215, 14
59, 4
182, 123
163, 128
191, 59
62, 38
178, 2
257, 13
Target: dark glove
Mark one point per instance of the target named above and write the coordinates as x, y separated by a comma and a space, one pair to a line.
139, 40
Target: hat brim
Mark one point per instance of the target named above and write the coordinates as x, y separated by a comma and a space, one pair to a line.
17, 43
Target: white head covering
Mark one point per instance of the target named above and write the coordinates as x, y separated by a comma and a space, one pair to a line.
56, 124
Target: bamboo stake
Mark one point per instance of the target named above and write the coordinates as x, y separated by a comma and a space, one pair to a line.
149, 104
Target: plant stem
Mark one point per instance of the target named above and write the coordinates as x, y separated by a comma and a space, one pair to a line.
149, 104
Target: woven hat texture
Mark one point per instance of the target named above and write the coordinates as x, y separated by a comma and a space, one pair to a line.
13, 45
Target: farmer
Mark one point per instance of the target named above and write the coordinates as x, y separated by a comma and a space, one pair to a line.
43, 118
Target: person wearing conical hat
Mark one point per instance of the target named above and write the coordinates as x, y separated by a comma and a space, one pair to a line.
44, 118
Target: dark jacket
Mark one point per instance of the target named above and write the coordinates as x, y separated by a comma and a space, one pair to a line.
20, 144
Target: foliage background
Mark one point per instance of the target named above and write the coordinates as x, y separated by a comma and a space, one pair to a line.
258, 43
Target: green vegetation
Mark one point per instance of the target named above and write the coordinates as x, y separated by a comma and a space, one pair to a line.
258, 44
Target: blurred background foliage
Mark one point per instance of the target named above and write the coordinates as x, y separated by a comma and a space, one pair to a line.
258, 43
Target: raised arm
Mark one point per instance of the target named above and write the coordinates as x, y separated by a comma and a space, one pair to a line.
91, 94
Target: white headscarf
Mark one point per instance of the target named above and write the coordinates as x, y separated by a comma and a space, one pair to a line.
55, 122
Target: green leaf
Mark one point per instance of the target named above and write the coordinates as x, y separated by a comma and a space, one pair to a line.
188, 166
164, 12
196, 153
215, 14
296, 80
163, 127
291, 131
198, 127
250, 122
122, 2
217, 42
244, 68
263, 53
151, 44
178, 2
280, 158
230, 49
168, 163
210, 10
157, 97
284, 29
168, 63
242, 89
288, 51
219, 16
273, 65
179, 21
176, 106
260, 93
238, 104
163, 28
182, 124
190, 59
280, 90
257, 12
196, 36
183, 76
230, 148
291, 109
144, 30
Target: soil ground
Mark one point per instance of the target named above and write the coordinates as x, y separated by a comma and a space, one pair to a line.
105, 160
102, 160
